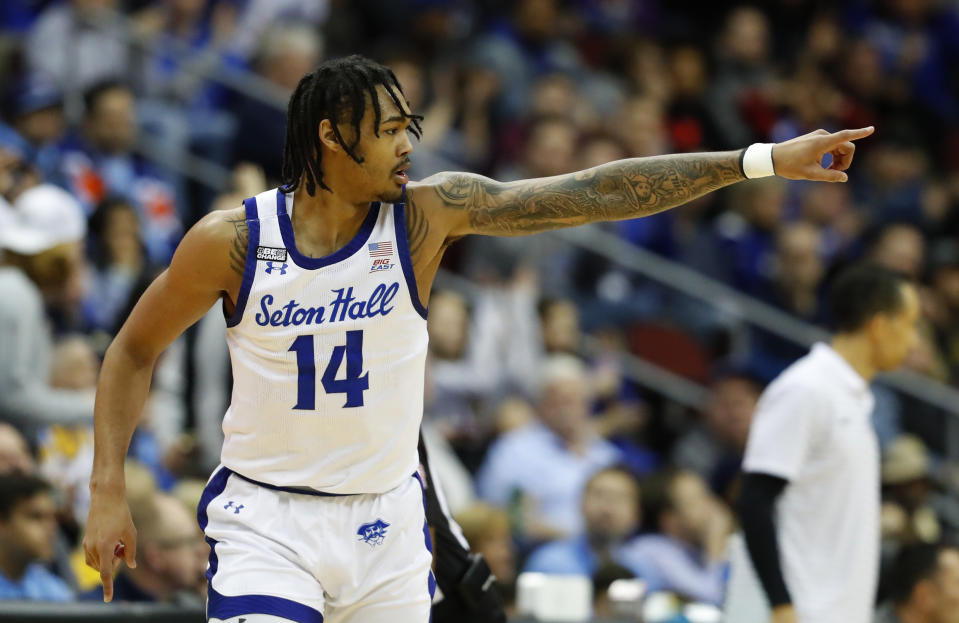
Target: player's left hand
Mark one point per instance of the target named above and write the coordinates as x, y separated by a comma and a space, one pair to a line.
801, 158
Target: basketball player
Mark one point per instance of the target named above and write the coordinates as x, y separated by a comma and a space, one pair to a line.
316, 511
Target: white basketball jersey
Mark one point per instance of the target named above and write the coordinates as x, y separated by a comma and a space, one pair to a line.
328, 357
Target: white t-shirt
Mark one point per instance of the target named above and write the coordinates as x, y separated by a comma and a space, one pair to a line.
813, 428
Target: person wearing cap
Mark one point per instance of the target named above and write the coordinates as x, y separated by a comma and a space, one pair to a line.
35, 110
41, 238
913, 510
810, 500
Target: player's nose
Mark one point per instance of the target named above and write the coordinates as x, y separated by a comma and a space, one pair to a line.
406, 146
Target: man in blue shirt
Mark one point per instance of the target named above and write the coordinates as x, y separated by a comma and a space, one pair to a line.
540, 470
28, 529
611, 515
685, 553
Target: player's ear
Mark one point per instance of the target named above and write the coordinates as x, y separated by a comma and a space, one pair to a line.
328, 136
877, 326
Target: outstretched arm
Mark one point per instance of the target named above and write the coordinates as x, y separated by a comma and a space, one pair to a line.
473, 204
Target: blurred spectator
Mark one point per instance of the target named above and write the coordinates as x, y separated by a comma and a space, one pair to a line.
714, 446
119, 263
76, 44
66, 452
798, 271
523, 45
75, 366
892, 179
182, 109
258, 16
925, 588
461, 368
286, 53
17, 173
28, 528
684, 553
794, 284
641, 123
479, 354
457, 124
562, 444
34, 109
15, 455
611, 515
171, 555
40, 266
944, 278
691, 128
736, 98
830, 208
487, 530
913, 509
900, 247
747, 231
99, 162
560, 322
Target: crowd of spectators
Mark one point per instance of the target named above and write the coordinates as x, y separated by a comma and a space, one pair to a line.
124, 121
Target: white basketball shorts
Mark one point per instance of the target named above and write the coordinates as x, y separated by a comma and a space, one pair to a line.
307, 557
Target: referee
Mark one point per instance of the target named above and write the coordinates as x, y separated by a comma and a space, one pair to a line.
810, 496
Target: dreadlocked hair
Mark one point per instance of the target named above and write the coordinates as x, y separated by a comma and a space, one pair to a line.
337, 90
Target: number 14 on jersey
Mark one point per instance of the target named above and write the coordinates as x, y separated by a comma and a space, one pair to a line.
353, 385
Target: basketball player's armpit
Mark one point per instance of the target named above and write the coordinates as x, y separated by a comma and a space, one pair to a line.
614, 191
238, 245
417, 226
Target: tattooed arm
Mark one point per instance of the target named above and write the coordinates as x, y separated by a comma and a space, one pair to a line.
208, 264
465, 203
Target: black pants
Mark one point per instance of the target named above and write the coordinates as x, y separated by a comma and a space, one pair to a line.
469, 596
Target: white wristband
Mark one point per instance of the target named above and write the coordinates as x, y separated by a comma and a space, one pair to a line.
757, 161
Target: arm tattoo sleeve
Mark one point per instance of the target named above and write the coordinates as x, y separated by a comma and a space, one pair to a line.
618, 190
241, 238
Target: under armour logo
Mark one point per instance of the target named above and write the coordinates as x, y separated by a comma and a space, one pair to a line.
270, 268
236, 509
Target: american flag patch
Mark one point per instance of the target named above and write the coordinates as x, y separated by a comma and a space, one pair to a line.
381, 249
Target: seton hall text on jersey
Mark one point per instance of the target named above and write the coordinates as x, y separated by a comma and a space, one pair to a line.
343, 306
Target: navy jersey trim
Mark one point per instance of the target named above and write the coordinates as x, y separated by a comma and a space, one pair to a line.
312, 263
213, 489
300, 490
431, 580
406, 260
249, 271
225, 607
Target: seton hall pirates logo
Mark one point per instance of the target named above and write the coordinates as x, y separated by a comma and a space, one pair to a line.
373, 533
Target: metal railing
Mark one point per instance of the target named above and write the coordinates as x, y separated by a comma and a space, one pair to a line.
694, 284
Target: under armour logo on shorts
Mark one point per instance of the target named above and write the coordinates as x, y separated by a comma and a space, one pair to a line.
236, 509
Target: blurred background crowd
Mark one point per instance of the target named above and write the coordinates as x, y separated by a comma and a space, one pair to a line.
125, 121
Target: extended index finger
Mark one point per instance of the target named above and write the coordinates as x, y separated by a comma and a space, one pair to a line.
843, 136
107, 567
